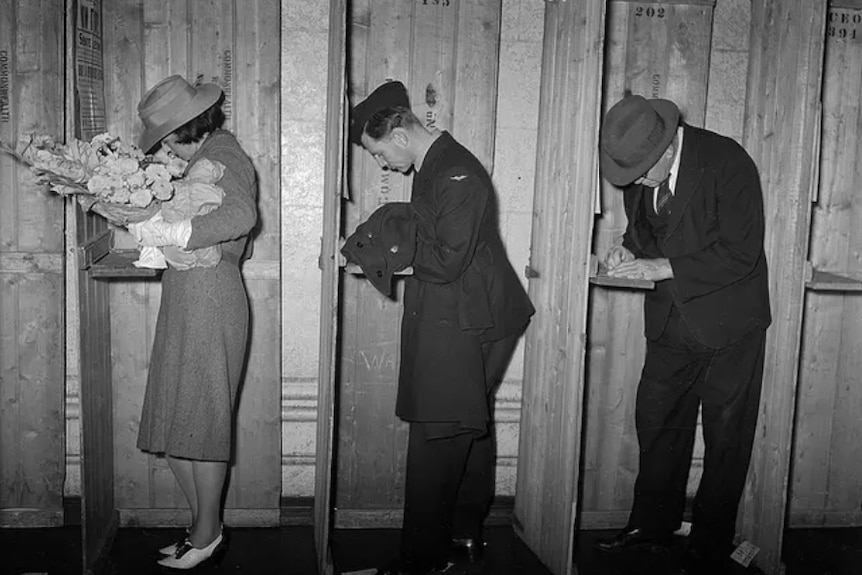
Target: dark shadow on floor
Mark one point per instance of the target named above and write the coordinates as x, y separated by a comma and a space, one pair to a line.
290, 551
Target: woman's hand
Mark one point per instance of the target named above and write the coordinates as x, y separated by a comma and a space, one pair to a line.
157, 232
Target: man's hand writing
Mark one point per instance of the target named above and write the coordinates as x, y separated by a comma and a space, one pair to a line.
618, 255
653, 270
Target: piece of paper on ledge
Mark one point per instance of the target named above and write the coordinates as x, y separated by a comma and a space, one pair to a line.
151, 258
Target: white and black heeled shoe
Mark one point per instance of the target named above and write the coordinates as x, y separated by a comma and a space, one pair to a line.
188, 556
171, 549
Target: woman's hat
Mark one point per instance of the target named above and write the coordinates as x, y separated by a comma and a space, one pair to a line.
170, 104
635, 133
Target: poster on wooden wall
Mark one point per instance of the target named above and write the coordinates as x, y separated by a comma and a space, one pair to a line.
89, 70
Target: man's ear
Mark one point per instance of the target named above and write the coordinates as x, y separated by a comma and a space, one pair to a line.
400, 137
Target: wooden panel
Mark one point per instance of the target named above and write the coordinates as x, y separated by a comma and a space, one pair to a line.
451, 86
251, 75
32, 426
781, 133
235, 46
827, 455
370, 472
546, 500
657, 51
336, 143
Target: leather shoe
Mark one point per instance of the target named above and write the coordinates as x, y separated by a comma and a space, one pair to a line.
631, 539
401, 567
470, 549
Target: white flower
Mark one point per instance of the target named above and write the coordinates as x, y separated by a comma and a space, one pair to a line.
141, 198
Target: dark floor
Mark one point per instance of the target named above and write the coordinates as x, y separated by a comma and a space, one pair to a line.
290, 551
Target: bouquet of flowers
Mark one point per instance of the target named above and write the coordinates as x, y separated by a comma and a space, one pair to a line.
113, 178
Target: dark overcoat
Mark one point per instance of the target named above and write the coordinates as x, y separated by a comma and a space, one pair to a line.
714, 241
463, 291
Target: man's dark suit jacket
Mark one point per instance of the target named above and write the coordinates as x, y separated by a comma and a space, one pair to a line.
714, 241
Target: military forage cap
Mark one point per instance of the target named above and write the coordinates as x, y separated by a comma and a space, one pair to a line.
383, 244
389, 95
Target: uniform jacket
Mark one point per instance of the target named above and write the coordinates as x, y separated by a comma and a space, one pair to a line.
714, 242
463, 290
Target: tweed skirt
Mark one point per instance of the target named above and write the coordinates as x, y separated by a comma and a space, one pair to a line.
196, 364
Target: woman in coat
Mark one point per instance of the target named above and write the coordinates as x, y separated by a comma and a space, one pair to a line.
201, 332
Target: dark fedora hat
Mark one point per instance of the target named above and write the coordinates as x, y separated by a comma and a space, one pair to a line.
170, 104
392, 94
635, 133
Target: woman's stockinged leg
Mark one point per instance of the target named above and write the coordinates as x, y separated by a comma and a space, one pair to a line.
184, 473
209, 478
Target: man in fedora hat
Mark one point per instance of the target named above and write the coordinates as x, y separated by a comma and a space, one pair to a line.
464, 311
695, 227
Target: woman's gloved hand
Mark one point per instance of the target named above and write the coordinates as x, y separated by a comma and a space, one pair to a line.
157, 232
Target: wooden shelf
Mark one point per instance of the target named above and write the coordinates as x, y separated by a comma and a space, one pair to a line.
117, 264
599, 276
602, 279
821, 280
356, 270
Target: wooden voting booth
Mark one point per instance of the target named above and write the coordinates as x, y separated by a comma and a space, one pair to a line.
445, 53
657, 51
116, 50
577, 451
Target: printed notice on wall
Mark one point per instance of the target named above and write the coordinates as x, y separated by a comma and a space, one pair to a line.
89, 69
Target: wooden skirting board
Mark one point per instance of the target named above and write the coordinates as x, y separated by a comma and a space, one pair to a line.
31, 518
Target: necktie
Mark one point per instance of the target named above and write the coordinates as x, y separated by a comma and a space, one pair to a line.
663, 197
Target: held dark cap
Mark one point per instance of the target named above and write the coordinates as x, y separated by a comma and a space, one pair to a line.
384, 244
389, 95
635, 133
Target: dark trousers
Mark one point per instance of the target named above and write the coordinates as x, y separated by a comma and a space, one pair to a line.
679, 375
450, 479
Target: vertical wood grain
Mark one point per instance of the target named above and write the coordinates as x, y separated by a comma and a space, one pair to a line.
32, 425
825, 488
546, 500
784, 88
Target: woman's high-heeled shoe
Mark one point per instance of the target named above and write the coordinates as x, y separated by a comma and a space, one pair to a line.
189, 557
171, 549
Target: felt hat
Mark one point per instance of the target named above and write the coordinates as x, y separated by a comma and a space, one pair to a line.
635, 133
170, 104
389, 95
384, 244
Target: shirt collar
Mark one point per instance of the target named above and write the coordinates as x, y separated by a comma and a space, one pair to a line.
674, 169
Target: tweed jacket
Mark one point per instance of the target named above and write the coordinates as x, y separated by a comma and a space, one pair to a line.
713, 240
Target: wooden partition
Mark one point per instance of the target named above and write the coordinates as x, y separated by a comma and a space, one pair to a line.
567, 179
446, 54
782, 134
656, 51
827, 456
32, 426
234, 44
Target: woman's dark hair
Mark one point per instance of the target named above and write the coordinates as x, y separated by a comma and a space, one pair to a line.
207, 121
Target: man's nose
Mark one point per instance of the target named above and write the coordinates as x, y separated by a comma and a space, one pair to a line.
381, 162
